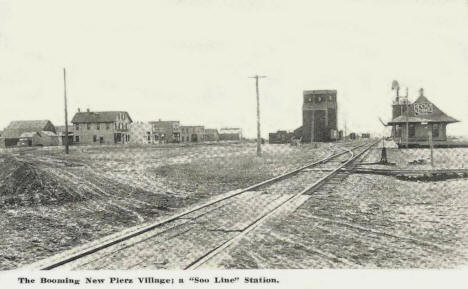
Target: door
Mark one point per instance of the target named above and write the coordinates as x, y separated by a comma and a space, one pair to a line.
319, 129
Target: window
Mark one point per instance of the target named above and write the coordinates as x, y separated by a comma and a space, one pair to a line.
77, 138
107, 126
101, 139
435, 130
149, 138
98, 126
88, 126
94, 138
77, 127
115, 125
411, 130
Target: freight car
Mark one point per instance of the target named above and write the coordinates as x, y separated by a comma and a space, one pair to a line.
280, 137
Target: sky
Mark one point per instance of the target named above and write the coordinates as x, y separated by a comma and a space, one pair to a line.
190, 60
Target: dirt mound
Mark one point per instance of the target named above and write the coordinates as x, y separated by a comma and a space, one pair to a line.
21, 184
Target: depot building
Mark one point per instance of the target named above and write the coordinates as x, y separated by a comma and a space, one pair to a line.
416, 122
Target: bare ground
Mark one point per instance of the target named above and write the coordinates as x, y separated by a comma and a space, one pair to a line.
51, 202
368, 221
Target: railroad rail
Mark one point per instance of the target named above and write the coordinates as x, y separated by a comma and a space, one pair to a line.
82, 258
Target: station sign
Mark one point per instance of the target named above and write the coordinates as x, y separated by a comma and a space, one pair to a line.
423, 108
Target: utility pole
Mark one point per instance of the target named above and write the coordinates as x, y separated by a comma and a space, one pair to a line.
259, 140
66, 112
407, 112
345, 132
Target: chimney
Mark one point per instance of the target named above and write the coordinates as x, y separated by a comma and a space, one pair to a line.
421, 91
79, 110
87, 110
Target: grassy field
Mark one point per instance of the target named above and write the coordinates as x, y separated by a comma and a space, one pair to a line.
51, 202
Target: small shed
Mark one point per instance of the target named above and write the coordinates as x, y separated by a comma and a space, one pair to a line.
42, 138
230, 134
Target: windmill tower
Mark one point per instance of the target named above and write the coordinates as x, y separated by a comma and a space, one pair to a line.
400, 102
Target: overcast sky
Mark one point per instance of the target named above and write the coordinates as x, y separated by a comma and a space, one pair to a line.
190, 60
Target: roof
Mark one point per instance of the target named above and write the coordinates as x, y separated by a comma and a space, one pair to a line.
18, 127
192, 126
61, 128
27, 134
418, 113
98, 116
320, 91
164, 121
226, 130
30, 134
47, 133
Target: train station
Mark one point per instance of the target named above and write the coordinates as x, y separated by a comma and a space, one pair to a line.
416, 123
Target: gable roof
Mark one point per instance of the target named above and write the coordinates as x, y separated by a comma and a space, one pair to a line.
319, 91
18, 127
436, 115
230, 130
98, 116
61, 128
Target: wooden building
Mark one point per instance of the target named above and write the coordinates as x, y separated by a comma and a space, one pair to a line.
192, 133
14, 131
101, 127
166, 131
230, 134
39, 138
61, 134
414, 123
211, 134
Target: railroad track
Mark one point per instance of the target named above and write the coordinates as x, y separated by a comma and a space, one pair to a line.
191, 238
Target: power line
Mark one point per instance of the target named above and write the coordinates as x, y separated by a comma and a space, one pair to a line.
66, 112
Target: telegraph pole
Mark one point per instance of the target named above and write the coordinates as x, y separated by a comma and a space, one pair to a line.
407, 123
259, 140
66, 112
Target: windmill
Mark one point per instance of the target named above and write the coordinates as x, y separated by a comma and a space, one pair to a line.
396, 87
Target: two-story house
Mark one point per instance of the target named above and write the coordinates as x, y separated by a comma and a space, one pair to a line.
101, 127
166, 131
